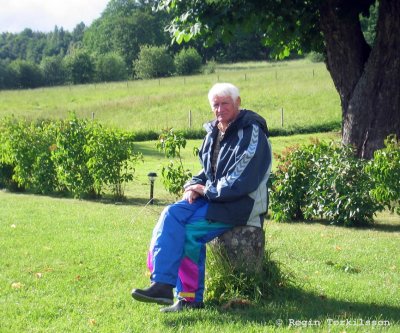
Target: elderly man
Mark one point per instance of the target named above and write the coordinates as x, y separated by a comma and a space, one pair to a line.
229, 191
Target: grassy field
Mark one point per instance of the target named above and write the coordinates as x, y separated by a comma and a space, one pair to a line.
303, 89
69, 266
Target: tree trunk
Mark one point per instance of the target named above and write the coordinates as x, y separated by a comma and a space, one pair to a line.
368, 81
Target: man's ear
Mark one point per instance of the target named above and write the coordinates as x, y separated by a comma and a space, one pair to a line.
238, 101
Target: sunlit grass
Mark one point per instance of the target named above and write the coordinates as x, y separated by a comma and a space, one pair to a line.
69, 266
302, 89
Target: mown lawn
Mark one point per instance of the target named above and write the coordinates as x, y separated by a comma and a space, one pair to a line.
69, 266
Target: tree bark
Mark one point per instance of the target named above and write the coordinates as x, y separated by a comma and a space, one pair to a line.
368, 80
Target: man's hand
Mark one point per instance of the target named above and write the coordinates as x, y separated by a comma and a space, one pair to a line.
193, 192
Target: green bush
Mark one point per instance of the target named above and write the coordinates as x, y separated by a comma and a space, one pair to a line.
340, 190
209, 67
111, 159
72, 155
110, 67
315, 57
7, 75
152, 62
322, 181
291, 181
187, 62
70, 158
54, 71
79, 67
26, 147
384, 171
174, 174
27, 74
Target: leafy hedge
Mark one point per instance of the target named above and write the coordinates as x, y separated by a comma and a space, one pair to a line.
384, 171
73, 155
327, 181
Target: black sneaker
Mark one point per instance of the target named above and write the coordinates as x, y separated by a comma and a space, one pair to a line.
182, 305
159, 293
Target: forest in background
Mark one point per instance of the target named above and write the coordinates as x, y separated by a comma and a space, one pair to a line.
108, 49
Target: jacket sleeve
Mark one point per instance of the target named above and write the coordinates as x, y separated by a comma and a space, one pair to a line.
252, 161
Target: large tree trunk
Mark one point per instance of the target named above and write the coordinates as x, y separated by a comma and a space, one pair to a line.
368, 81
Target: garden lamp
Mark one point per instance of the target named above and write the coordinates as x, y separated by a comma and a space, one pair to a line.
152, 177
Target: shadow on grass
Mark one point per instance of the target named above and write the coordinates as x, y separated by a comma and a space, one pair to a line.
291, 304
378, 226
148, 151
386, 227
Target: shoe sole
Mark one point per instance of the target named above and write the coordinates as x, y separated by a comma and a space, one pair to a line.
146, 299
177, 308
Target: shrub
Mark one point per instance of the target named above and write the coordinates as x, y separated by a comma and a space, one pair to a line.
111, 159
70, 157
209, 67
292, 180
384, 171
187, 62
315, 57
53, 70
153, 61
340, 189
174, 174
28, 74
110, 67
7, 75
322, 181
79, 67
26, 148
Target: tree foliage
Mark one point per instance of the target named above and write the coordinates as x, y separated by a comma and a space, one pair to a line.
365, 72
323, 180
153, 61
110, 67
187, 61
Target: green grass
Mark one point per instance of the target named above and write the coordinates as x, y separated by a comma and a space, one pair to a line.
69, 266
303, 89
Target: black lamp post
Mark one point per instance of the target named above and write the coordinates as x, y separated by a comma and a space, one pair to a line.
152, 177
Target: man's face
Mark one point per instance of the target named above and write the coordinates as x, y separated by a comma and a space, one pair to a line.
225, 109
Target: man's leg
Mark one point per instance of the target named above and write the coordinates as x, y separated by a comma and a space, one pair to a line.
166, 251
190, 284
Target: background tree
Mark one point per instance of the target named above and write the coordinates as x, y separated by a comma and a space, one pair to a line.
7, 75
79, 66
27, 74
153, 61
54, 71
110, 67
187, 61
366, 77
124, 26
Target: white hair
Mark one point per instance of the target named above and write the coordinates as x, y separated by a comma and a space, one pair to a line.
223, 90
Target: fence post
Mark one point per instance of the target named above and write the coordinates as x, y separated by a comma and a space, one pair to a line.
281, 117
190, 119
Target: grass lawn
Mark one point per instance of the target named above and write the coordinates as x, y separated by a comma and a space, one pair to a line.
69, 266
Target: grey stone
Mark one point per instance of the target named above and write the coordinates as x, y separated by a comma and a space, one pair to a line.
243, 246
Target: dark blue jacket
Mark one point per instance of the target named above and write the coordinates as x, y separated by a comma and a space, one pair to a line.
237, 194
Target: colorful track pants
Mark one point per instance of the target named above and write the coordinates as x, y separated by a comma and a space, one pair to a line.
177, 252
